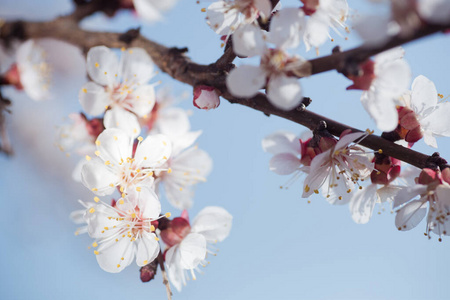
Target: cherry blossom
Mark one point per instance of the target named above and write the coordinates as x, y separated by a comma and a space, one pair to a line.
31, 72
187, 166
338, 169
434, 191
434, 11
384, 80
121, 234
118, 86
188, 244
427, 117
117, 166
276, 67
224, 17
149, 10
323, 15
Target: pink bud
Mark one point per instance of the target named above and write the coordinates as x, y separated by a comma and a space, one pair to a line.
148, 271
176, 231
206, 97
429, 176
364, 80
12, 77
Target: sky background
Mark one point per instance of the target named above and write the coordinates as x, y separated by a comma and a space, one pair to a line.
280, 247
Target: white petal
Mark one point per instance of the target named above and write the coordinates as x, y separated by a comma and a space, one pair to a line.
411, 214
248, 40
423, 95
387, 193
316, 32
114, 145
111, 254
318, 173
147, 249
180, 199
406, 194
373, 29
438, 121
246, 81
429, 139
98, 217
192, 250
173, 122
392, 78
154, 151
222, 18
124, 120
147, 10
264, 7
102, 65
348, 139
98, 177
214, 223
362, 204
284, 92
281, 142
174, 270
93, 98
184, 141
137, 66
389, 55
144, 100
434, 11
284, 163
381, 108
148, 203
287, 27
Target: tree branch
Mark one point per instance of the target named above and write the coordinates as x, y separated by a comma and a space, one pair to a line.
174, 62
164, 274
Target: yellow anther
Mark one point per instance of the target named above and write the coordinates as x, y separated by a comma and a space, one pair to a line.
169, 170
145, 262
106, 73
111, 185
92, 210
138, 189
133, 215
349, 191
106, 228
165, 157
115, 138
156, 238
94, 244
88, 157
316, 191
107, 162
203, 10
340, 197
77, 232
97, 142
84, 90
307, 188
97, 65
121, 201
180, 189
168, 215
123, 195
130, 51
140, 139
380, 151
96, 199
96, 252
121, 189
138, 170
123, 48
152, 228
145, 157
150, 174
97, 153
164, 143
122, 258
118, 265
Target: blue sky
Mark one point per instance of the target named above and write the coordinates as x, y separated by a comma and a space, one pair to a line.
280, 247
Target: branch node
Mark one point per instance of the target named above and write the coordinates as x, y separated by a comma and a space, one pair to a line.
129, 36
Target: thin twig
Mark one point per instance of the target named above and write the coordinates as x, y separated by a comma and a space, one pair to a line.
164, 274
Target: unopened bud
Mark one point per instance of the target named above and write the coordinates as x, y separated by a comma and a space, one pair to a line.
148, 271
206, 97
176, 230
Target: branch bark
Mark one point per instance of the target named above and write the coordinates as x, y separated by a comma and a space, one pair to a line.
164, 274
174, 62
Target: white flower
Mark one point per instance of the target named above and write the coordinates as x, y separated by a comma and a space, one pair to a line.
276, 67
224, 17
116, 166
432, 116
337, 170
122, 233
120, 86
186, 169
411, 212
34, 70
211, 225
434, 11
328, 13
391, 77
150, 10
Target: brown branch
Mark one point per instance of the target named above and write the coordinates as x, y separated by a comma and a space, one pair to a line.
174, 62
164, 274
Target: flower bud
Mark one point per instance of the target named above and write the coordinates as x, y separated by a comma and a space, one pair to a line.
148, 272
176, 230
206, 97
363, 80
386, 169
408, 125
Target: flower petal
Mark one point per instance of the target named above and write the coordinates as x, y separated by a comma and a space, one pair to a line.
144, 100
114, 145
115, 256
137, 66
98, 177
154, 151
213, 222
93, 98
284, 92
248, 40
102, 65
192, 250
123, 120
411, 214
147, 249
362, 204
287, 28
281, 142
246, 81
284, 163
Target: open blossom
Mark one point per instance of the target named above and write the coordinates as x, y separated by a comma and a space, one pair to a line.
118, 86
422, 114
277, 68
31, 72
383, 80
224, 17
188, 244
123, 233
323, 15
149, 10
117, 166
336, 170
434, 191
187, 166
434, 11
